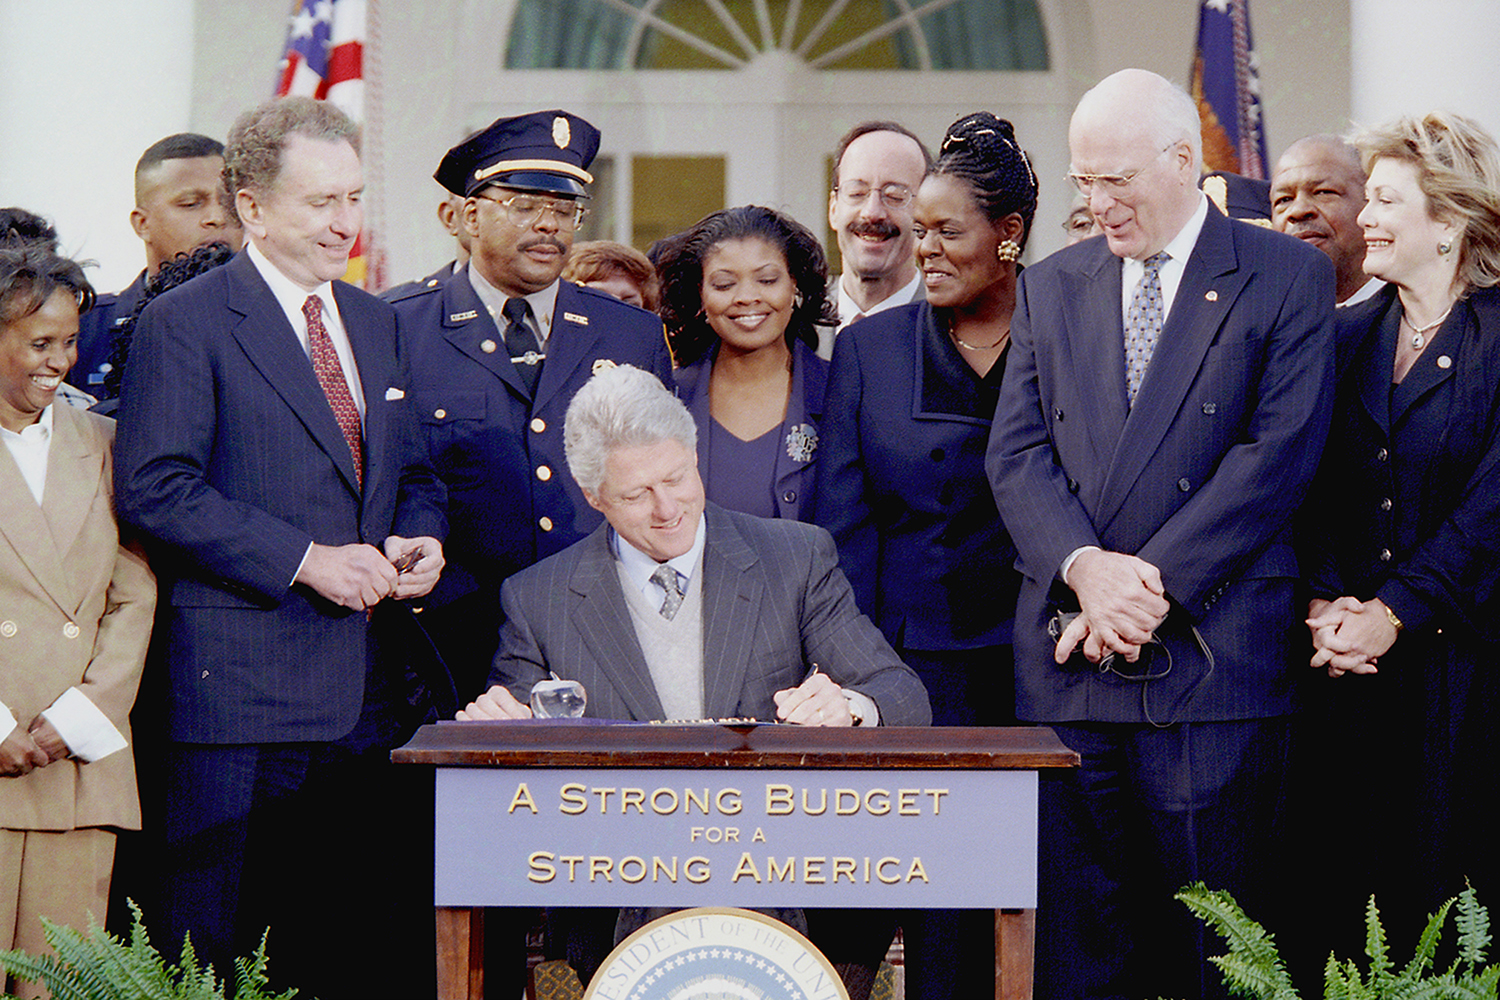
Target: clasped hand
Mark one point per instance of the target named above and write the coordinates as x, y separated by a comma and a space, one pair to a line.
1349, 636
25, 750
358, 576
1122, 601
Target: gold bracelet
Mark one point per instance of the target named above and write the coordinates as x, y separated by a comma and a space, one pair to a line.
1391, 617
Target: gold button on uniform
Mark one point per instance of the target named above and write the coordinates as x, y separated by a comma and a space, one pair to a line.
487, 346
538, 424
7, 629
440, 413
545, 524
70, 631
543, 473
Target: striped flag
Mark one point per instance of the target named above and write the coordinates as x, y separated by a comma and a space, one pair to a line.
325, 58
1226, 85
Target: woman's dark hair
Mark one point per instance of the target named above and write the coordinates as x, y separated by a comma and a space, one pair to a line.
681, 267
982, 151
30, 272
20, 226
172, 273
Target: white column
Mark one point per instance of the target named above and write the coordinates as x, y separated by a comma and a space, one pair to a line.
1410, 58
87, 86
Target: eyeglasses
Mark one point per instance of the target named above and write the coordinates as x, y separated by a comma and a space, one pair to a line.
1112, 183
1081, 224
891, 195
523, 210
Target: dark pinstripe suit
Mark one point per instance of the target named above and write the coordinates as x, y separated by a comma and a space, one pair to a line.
774, 601
282, 710
1200, 478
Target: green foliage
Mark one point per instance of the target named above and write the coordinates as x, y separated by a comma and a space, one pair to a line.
1253, 968
98, 966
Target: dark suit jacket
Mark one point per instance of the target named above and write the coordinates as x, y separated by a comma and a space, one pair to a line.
1406, 500
901, 485
793, 477
490, 441
1200, 478
96, 336
229, 459
774, 602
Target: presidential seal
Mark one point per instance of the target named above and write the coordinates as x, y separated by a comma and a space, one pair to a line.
801, 442
715, 953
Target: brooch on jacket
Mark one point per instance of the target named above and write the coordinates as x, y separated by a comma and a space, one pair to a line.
801, 442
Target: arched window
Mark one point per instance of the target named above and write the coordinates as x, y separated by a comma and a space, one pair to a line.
729, 34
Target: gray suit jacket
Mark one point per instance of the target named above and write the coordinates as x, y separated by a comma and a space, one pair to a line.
774, 602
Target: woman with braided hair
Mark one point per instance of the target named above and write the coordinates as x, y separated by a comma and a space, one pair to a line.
901, 481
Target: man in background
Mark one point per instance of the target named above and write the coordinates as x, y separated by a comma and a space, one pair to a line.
1317, 193
177, 208
876, 172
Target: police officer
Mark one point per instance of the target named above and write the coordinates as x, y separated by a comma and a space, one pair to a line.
496, 354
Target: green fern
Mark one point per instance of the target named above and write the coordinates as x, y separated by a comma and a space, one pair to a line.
1253, 968
97, 966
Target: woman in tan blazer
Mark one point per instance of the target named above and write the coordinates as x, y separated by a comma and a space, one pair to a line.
75, 617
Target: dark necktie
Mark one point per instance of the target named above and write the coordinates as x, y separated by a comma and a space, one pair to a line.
521, 344
665, 577
325, 362
1143, 324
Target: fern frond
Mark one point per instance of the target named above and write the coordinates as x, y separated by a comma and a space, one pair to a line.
1251, 979
1427, 944
1375, 944
1473, 927
1248, 941
250, 981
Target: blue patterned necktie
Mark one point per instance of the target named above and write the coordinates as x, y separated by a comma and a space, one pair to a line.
1143, 324
665, 577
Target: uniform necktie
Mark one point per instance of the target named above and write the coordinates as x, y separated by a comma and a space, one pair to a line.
325, 362
665, 577
1143, 323
521, 344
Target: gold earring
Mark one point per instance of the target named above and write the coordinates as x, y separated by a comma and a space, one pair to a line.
1008, 251
1445, 248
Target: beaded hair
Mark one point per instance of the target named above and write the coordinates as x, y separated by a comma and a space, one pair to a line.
981, 150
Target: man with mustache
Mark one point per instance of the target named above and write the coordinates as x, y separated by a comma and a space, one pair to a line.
877, 170
1316, 195
496, 354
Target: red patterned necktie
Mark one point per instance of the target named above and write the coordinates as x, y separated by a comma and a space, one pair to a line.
325, 362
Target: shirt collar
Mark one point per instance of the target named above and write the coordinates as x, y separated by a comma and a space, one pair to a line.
37, 432
638, 566
849, 309
289, 295
1181, 246
543, 303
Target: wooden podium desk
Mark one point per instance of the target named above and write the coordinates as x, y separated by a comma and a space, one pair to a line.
712, 791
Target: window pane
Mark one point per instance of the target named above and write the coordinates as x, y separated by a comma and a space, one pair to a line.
670, 193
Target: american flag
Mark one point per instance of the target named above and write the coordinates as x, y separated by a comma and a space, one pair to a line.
325, 58
1226, 85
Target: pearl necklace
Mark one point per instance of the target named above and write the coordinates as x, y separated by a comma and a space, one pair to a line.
1418, 338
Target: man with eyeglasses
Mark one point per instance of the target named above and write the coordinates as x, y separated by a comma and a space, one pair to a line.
1163, 410
496, 354
877, 170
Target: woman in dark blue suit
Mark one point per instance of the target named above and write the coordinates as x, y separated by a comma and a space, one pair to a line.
1406, 514
901, 481
743, 292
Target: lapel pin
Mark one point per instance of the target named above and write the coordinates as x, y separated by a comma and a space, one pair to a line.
1444, 361
575, 318
463, 316
392, 394
600, 365
487, 346
1211, 295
